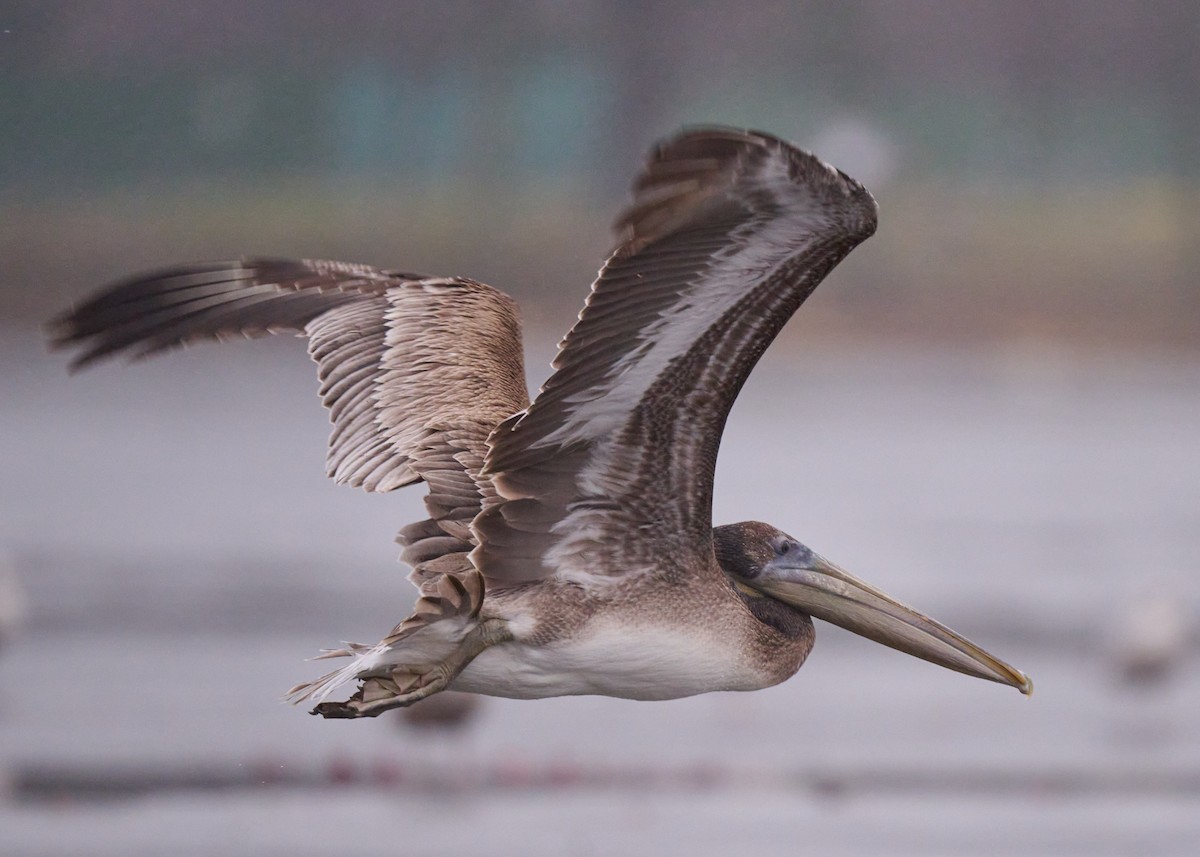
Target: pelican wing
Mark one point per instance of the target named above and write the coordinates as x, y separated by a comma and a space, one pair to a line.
611, 468
415, 371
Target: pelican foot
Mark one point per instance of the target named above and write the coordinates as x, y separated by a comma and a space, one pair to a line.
404, 686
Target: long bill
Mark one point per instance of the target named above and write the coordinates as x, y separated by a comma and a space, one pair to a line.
825, 591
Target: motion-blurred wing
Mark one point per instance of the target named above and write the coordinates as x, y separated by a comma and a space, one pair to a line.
415, 371
611, 467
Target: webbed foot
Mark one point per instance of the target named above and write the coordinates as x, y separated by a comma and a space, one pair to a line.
404, 686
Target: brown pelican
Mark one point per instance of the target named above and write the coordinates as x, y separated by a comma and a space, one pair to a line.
569, 547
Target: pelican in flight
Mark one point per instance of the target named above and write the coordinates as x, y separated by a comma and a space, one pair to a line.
569, 546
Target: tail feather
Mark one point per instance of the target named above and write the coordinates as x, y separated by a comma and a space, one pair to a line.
365, 659
348, 650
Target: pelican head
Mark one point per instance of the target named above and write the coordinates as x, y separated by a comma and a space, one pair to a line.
767, 561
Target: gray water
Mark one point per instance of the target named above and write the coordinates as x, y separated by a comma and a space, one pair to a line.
182, 553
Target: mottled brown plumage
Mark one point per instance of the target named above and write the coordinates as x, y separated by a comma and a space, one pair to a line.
727, 235
569, 545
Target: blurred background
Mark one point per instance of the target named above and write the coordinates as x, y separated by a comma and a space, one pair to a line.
991, 410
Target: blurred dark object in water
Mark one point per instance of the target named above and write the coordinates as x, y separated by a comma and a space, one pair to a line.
13, 603
1153, 639
449, 710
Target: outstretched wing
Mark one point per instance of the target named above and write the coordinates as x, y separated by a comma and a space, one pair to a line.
415, 371
611, 467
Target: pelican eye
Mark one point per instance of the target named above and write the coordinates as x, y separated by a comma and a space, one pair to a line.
795, 552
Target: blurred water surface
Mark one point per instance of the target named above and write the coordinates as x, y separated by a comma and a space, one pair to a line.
183, 552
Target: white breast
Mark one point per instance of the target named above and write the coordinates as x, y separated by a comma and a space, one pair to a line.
612, 659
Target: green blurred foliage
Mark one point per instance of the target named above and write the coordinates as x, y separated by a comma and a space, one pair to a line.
1035, 161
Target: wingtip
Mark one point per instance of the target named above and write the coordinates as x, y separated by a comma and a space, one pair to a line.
690, 168
61, 334
61, 329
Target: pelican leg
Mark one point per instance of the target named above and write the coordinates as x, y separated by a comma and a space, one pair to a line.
433, 680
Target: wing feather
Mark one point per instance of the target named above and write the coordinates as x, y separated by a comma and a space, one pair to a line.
611, 467
415, 371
